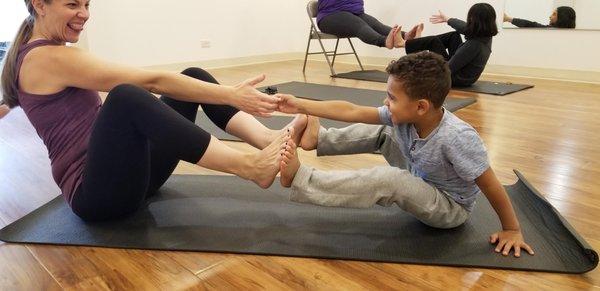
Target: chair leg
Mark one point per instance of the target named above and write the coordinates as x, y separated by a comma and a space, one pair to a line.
326, 56
356, 55
337, 42
307, 48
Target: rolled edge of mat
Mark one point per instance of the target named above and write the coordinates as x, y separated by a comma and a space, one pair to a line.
590, 253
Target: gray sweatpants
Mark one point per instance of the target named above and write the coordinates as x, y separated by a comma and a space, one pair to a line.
383, 185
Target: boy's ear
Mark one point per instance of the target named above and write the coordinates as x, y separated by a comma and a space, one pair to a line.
423, 106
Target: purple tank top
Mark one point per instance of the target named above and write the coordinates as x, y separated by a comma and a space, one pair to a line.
64, 122
327, 7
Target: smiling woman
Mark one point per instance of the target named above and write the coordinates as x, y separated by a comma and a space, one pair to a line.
108, 158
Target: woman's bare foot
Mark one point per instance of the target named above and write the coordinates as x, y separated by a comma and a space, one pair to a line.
299, 124
398, 40
310, 137
289, 165
389, 40
420, 30
412, 33
264, 166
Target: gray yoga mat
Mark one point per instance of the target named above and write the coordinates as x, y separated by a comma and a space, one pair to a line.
485, 87
228, 214
320, 92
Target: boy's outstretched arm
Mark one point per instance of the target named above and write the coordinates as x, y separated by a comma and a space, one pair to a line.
510, 237
336, 110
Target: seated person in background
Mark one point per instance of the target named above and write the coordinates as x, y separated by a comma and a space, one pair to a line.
467, 60
347, 18
438, 164
562, 17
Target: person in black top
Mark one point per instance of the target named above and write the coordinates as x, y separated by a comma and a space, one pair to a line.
562, 17
466, 59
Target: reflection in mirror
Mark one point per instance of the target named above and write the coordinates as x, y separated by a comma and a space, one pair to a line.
552, 14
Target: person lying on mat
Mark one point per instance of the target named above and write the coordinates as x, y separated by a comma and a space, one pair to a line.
467, 60
438, 164
107, 158
562, 17
347, 18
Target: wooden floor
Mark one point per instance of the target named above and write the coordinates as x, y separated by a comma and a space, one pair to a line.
551, 133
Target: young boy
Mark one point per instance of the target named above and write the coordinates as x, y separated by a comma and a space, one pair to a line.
438, 162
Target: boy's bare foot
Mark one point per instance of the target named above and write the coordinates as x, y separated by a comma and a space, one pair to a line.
310, 137
289, 165
389, 40
420, 30
412, 33
398, 40
299, 124
264, 166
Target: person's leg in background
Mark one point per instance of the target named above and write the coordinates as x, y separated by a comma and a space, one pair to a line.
428, 43
451, 41
345, 24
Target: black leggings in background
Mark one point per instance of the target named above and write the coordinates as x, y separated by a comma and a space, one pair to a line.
345, 24
135, 145
444, 44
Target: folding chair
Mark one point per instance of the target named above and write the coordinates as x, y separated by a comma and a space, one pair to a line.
312, 10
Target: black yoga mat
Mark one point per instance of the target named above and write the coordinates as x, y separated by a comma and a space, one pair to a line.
228, 214
320, 92
485, 87
494, 88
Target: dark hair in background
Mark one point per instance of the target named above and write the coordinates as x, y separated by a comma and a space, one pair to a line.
481, 21
566, 17
424, 75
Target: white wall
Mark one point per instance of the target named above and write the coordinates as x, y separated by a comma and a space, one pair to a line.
12, 14
587, 14
155, 32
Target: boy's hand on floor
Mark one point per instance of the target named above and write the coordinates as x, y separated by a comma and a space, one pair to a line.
510, 239
288, 103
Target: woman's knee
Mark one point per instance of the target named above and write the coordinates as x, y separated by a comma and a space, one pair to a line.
126, 95
199, 74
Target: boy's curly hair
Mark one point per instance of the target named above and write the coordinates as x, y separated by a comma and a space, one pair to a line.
424, 75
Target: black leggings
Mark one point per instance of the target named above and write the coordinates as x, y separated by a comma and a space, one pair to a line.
444, 44
136, 143
345, 24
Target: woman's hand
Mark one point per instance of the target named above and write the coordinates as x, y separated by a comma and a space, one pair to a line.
252, 101
509, 239
438, 18
507, 18
288, 104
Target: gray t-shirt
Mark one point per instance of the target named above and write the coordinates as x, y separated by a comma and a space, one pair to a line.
450, 158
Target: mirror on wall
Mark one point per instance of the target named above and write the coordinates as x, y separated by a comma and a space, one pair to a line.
566, 14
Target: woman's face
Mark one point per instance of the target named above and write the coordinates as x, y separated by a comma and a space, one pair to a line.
63, 20
553, 17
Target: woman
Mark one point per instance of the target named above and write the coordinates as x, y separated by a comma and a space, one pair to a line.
562, 17
467, 60
347, 18
107, 159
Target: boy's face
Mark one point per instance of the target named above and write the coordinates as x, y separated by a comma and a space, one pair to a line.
403, 108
